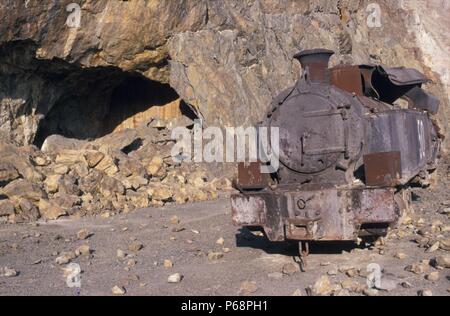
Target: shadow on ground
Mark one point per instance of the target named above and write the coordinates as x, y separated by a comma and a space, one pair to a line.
246, 239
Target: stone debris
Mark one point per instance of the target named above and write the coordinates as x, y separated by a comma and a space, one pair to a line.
65, 258
175, 278
212, 255
83, 234
100, 177
387, 285
400, 255
168, 264
418, 268
426, 292
432, 276
433, 247
83, 250
135, 246
174, 220
332, 272
297, 292
8, 272
442, 261
121, 254
371, 292
248, 287
118, 290
290, 268
322, 287
275, 275
220, 241
406, 284
444, 244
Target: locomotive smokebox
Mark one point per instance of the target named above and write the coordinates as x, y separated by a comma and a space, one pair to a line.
315, 61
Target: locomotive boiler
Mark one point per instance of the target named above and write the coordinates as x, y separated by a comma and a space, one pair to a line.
347, 153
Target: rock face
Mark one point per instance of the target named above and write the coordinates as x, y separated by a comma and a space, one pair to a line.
225, 59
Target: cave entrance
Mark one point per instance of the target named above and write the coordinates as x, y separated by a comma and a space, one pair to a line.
95, 102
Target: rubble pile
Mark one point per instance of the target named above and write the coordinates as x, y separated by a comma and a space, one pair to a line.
119, 172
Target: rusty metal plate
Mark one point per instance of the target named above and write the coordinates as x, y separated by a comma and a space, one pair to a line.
383, 168
402, 76
248, 210
250, 176
422, 100
347, 78
373, 206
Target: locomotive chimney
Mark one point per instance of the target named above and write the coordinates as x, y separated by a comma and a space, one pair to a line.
316, 60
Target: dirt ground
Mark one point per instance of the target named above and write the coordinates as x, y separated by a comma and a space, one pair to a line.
31, 250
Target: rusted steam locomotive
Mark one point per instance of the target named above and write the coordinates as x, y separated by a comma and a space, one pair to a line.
347, 153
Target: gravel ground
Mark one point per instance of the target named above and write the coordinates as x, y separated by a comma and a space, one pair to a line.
31, 250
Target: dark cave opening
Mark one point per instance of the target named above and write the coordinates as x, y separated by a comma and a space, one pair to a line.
80, 102
112, 100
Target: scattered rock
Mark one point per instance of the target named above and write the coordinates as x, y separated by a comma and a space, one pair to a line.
406, 285
349, 284
432, 276
8, 173
248, 287
65, 258
400, 255
387, 285
174, 220
118, 290
442, 261
371, 292
444, 244
175, 278
215, 255
433, 247
83, 234
8, 272
52, 182
352, 272
290, 268
93, 158
22, 188
297, 292
135, 247
6, 208
83, 250
425, 293
121, 254
417, 268
322, 286
332, 272
178, 229
168, 264
220, 241
275, 275
49, 210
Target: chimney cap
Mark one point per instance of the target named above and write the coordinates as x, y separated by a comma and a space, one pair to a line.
315, 51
